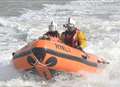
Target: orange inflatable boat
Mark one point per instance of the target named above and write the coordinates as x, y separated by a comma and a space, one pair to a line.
44, 55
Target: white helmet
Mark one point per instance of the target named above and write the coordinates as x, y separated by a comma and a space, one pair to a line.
71, 24
52, 26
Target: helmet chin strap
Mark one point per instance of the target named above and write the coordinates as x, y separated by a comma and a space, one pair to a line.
71, 29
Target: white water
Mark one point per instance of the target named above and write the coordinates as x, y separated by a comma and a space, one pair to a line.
101, 25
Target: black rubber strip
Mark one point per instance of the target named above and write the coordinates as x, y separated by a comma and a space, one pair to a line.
70, 57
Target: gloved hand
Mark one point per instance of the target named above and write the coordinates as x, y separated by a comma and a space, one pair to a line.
44, 37
65, 25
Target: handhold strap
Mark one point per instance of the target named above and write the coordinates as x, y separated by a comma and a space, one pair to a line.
42, 69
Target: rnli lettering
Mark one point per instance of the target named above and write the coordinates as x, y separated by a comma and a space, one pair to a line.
62, 48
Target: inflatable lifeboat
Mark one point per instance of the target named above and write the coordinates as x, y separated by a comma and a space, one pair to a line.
45, 55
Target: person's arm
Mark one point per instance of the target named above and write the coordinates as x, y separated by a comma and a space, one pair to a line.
81, 37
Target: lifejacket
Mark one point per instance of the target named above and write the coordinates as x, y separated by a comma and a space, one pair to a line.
52, 33
53, 36
68, 38
75, 38
55, 39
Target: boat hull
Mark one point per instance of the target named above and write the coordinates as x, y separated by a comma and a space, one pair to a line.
56, 56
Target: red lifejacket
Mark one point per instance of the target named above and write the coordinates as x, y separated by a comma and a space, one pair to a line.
53, 36
68, 38
55, 39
